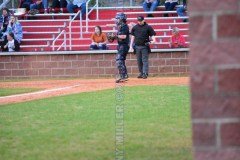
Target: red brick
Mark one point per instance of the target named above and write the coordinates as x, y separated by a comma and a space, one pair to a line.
131, 63
16, 58
64, 64
85, 71
200, 28
184, 62
228, 80
213, 5
58, 72
30, 58
214, 53
25, 65
45, 72
230, 135
2, 66
110, 70
77, 64
57, 58
109, 56
17, 72
91, 64
165, 69
202, 80
43, 58
31, 72
84, 57
228, 31
164, 55
179, 55
230, 154
179, 69
11, 65
37, 64
157, 62
134, 70
105, 63
97, 56
73, 72
70, 58
98, 71
5, 58
153, 70
50, 64
153, 55
5, 73
215, 106
204, 135
172, 62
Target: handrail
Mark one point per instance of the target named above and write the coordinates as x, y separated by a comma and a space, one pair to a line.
4, 4
70, 28
64, 41
88, 12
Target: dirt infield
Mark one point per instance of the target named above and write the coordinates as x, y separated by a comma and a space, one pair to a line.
53, 88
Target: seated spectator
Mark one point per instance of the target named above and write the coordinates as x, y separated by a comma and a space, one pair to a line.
74, 4
26, 4
170, 5
181, 11
16, 28
12, 44
99, 39
58, 4
4, 21
177, 40
40, 4
150, 6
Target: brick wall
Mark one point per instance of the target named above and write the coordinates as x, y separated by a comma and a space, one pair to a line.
215, 78
87, 65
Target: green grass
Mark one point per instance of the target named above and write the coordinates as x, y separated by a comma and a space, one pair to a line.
82, 126
12, 91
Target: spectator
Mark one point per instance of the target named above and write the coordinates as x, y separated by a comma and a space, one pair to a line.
74, 4
12, 44
58, 4
15, 27
99, 39
181, 11
170, 5
177, 40
5, 20
40, 4
26, 4
150, 6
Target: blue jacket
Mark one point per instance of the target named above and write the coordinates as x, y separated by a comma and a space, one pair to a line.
16, 29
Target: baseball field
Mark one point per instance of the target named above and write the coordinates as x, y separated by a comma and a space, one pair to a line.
81, 126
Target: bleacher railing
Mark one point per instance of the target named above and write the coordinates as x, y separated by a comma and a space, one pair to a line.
70, 28
64, 41
96, 5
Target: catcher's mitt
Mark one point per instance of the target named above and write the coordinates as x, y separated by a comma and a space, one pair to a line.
33, 11
111, 36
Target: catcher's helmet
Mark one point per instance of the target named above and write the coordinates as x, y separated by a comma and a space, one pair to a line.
121, 16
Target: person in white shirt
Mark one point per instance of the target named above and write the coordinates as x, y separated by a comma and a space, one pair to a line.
12, 44
74, 4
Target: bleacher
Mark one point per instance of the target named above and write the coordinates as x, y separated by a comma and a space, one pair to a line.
51, 32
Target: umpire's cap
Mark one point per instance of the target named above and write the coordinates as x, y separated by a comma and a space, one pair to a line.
140, 18
121, 16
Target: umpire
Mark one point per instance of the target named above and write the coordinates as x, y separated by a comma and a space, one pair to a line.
142, 36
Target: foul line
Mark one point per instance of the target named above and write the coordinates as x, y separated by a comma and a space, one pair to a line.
40, 92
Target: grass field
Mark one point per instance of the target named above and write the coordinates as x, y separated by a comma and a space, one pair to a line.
82, 126
12, 91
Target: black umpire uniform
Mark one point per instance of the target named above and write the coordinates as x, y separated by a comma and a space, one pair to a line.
141, 34
123, 47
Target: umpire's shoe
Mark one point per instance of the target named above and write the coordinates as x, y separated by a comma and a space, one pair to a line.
123, 78
145, 75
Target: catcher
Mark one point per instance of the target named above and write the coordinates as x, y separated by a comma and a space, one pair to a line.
122, 36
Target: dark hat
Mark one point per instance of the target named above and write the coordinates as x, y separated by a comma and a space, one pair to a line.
140, 18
